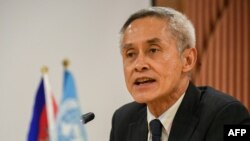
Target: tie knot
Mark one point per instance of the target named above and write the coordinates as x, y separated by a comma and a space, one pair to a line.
156, 127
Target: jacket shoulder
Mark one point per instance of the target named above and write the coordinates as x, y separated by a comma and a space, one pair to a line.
223, 107
218, 109
215, 98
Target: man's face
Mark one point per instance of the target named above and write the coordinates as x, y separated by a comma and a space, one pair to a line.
151, 60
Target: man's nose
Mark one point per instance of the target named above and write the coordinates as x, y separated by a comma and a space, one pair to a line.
141, 64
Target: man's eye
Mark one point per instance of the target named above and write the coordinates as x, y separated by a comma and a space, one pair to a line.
130, 54
153, 50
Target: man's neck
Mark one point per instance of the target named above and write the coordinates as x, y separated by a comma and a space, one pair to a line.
163, 104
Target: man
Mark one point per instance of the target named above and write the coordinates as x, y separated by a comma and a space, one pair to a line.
158, 52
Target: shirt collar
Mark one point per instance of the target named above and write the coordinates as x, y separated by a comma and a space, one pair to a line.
167, 117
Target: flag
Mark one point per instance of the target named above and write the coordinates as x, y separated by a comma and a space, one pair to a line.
51, 108
44, 112
69, 126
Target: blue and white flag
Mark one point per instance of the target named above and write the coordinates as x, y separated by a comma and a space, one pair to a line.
69, 126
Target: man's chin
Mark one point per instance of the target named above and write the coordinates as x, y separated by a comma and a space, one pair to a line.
141, 99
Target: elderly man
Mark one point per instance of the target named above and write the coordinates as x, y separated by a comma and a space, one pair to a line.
158, 52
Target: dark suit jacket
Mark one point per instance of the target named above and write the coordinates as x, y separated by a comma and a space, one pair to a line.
200, 117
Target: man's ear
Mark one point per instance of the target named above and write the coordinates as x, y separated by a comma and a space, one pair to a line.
189, 57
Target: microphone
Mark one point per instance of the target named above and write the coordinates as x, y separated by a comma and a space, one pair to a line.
85, 118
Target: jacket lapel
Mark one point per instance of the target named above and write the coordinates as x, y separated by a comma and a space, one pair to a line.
138, 130
187, 116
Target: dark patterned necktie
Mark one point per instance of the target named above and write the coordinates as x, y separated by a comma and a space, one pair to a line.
156, 128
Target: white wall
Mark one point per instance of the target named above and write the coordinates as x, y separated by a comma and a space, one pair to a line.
43, 32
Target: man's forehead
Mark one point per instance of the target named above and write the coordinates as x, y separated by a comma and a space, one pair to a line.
146, 22
145, 28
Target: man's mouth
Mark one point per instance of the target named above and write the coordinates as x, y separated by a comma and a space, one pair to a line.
144, 80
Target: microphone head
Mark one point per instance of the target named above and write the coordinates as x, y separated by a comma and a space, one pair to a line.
85, 118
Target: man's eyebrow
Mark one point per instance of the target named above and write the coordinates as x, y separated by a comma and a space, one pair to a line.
150, 41
126, 46
153, 41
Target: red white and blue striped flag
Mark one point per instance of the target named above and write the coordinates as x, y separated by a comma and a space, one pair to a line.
42, 126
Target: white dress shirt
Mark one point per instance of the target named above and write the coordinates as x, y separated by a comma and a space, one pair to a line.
166, 119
